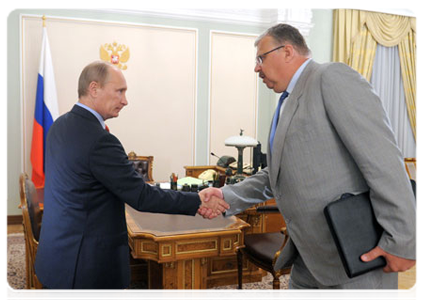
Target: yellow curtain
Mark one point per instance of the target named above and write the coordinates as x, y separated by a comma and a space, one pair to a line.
363, 51
356, 35
349, 26
346, 24
407, 51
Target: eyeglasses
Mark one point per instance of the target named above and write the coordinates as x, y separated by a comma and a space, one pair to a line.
259, 59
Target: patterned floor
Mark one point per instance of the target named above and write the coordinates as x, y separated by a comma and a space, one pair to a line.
251, 291
16, 268
16, 260
409, 282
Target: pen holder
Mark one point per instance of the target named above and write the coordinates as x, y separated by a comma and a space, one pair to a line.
174, 185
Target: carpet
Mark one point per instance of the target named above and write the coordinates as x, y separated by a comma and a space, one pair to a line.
16, 270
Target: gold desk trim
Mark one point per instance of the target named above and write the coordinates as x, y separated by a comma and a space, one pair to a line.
197, 250
170, 250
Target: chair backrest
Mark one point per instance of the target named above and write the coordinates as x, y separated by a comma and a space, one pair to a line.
30, 208
143, 165
410, 167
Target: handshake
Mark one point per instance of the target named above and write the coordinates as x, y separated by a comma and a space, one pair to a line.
212, 203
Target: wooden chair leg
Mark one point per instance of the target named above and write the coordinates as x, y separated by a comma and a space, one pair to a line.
239, 260
276, 282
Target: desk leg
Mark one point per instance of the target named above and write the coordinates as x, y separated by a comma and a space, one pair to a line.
182, 274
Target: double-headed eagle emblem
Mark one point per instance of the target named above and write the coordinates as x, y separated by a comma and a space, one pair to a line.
116, 54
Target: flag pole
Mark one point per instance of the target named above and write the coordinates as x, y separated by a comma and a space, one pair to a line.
44, 20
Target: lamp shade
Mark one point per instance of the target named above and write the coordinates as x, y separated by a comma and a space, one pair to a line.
241, 141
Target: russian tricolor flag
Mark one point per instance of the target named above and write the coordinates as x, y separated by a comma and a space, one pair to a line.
46, 111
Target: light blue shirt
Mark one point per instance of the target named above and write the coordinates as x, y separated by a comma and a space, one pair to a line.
293, 82
96, 114
297, 75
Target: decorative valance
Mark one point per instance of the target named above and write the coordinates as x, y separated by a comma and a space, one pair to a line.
356, 35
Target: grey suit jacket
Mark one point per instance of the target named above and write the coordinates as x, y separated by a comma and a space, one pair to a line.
333, 138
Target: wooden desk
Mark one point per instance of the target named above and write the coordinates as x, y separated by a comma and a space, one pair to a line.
179, 247
223, 270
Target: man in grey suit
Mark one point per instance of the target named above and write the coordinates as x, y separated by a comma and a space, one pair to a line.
332, 137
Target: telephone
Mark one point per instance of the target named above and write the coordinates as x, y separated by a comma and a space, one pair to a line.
225, 161
207, 175
246, 168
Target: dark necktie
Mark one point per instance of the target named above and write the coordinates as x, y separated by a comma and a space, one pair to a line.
276, 118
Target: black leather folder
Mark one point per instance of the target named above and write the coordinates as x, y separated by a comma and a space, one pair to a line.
355, 230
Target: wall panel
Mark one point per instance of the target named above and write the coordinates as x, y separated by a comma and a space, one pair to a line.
161, 76
233, 91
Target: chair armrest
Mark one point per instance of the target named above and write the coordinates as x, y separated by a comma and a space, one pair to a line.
284, 232
267, 209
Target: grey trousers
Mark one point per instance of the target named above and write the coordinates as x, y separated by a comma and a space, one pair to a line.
301, 278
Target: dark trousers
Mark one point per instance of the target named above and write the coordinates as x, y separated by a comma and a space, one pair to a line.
53, 295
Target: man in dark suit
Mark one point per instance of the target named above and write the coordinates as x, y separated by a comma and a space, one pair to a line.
84, 240
329, 136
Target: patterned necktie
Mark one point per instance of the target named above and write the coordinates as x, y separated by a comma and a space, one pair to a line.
107, 128
276, 118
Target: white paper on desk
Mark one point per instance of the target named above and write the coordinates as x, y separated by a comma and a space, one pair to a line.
190, 180
165, 185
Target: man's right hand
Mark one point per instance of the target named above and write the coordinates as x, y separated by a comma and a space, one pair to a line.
212, 203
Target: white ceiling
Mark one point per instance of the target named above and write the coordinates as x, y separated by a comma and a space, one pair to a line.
252, 15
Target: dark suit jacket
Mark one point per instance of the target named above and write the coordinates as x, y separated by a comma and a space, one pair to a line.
84, 241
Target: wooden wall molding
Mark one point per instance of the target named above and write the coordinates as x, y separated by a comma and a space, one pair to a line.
14, 220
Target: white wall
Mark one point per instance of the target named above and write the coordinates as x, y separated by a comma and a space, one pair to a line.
178, 79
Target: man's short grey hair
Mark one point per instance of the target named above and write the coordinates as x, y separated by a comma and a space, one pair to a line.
284, 33
97, 71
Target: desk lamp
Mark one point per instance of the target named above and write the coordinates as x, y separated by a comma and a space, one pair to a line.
240, 142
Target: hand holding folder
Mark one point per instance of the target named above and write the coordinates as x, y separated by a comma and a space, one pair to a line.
393, 263
355, 231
